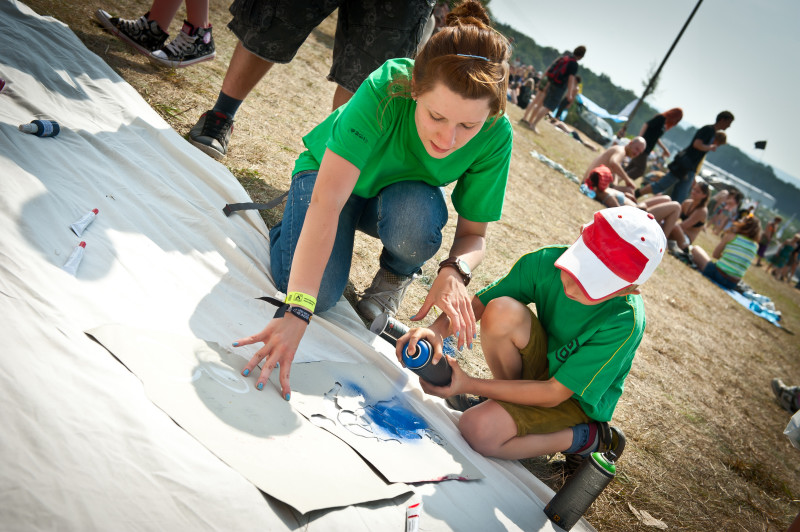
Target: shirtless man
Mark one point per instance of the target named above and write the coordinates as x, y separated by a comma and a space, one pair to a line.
613, 159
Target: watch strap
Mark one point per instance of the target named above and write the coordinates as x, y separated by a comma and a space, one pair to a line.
452, 262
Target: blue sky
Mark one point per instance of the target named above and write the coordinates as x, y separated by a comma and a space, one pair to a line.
739, 55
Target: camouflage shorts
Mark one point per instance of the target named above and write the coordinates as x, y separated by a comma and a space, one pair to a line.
368, 32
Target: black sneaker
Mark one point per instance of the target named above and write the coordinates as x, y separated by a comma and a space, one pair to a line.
611, 439
212, 132
192, 45
142, 34
786, 396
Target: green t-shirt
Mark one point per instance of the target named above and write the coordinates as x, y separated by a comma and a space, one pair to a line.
379, 136
590, 348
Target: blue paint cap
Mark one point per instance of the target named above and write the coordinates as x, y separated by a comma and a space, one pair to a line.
420, 356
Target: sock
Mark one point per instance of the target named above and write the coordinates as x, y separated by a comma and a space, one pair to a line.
585, 439
226, 104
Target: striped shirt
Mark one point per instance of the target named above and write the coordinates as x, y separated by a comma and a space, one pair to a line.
737, 256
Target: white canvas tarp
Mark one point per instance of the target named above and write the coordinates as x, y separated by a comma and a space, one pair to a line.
82, 445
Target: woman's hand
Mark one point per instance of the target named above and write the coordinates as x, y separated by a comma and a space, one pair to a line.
450, 295
281, 338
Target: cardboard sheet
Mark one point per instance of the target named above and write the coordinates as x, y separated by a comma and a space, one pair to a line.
198, 384
83, 447
359, 405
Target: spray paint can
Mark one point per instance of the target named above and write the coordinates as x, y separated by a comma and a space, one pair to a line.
421, 363
388, 328
41, 128
581, 489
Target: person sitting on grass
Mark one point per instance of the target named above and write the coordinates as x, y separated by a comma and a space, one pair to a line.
735, 252
557, 374
613, 158
725, 211
682, 222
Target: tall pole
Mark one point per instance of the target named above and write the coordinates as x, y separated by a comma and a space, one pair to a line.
655, 76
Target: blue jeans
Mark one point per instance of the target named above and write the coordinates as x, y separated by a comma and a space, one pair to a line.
408, 217
682, 188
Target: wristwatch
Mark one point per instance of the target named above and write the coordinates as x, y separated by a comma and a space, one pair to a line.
460, 265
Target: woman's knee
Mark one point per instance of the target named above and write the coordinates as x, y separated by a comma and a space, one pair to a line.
411, 218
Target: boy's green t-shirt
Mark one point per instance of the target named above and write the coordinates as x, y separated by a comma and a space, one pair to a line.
379, 136
590, 348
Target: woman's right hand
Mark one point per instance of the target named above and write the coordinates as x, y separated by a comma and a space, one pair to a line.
281, 338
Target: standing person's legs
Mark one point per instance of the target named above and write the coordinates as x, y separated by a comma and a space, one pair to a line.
268, 33
285, 234
659, 186
554, 95
535, 104
683, 188
194, 43
244, 72
370, 33
197, 13
163, 11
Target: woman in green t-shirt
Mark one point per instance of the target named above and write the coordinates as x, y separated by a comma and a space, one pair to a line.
377, 164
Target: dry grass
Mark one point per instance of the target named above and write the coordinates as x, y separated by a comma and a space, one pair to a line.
705, 445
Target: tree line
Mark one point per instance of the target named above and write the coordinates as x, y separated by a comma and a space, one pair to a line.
600, 89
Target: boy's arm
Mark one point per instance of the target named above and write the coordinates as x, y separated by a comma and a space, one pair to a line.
549, 393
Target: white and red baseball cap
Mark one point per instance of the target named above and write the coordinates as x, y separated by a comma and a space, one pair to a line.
621, 247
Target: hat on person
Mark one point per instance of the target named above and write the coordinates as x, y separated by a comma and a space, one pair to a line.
604, 178
621, 247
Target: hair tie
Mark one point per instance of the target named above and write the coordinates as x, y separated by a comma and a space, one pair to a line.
474, 56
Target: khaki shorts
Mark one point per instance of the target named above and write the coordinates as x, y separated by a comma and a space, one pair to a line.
540, 419
368, 32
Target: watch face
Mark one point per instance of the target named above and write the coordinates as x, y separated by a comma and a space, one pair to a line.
462, 264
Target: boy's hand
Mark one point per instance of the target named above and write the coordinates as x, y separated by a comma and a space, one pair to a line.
415, 335
458, 383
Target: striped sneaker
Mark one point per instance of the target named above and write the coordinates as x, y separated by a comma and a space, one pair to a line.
142, 34
192, 45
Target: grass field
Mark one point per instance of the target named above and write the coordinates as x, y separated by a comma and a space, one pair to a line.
705, 444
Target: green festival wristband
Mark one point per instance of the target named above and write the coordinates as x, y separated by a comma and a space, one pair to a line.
302, 300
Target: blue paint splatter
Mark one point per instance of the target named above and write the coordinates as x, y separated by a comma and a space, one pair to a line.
393, 417
389, 419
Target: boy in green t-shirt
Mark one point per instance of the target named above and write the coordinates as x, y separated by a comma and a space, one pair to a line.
558, 374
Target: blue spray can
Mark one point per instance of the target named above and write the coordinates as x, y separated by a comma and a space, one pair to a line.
421, 363
41, 128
